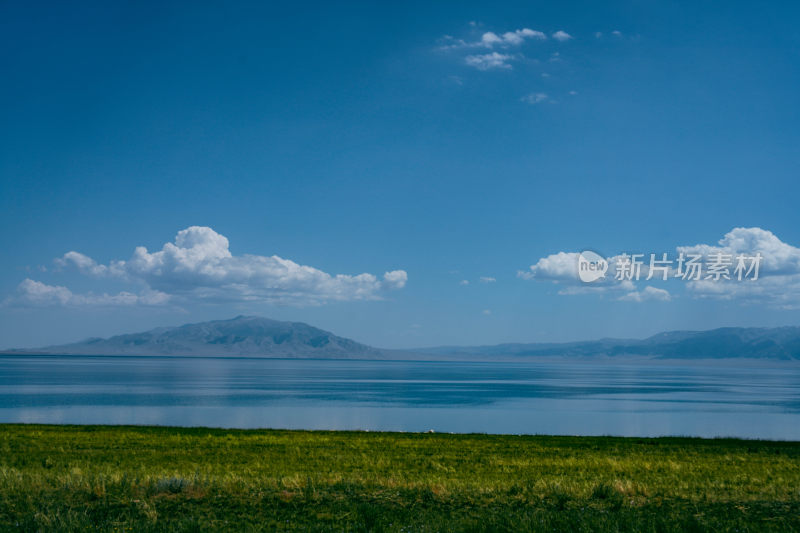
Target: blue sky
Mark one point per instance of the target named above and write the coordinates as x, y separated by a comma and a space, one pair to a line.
447, 142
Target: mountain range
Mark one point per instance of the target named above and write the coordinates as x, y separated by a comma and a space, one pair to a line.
241, 336
722, 343
252, 336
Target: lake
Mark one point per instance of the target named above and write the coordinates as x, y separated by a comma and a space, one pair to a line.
546, 397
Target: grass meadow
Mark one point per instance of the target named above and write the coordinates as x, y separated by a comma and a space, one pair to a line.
121, 478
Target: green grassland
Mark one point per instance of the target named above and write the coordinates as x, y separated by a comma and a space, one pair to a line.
106, 478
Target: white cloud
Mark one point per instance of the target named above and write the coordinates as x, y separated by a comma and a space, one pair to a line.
562, 36
648, 293
84, 263
396, 279
496, 47
200, 266
463, 282
32, 293
487, 311
779, 258
487, 279
493, 60
514, 38
491, 39
779, 271
562, 266
778, 284
37, 293
534, 98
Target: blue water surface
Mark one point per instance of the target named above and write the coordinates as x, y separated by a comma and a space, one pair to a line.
545, 397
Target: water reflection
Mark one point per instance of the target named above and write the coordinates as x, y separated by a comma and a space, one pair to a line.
540, 397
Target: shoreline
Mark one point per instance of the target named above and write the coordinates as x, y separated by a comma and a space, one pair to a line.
388, 433
642, 360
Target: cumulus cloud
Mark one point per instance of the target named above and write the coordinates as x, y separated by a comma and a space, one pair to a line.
556, 267
32, 293
779, 271
561, 267
491, 39
779, 258
396, 279
199, 265
84, 263
778, 282
511, 38
562, 36
490, 42
493, 60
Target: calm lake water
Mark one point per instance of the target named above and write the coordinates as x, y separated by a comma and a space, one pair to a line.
572, 398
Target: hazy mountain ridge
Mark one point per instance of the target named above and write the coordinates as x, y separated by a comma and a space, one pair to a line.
759, 343
252, 336
240, 336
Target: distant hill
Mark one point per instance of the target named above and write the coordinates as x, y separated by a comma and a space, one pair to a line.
240, 336
723, 343
253, 336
